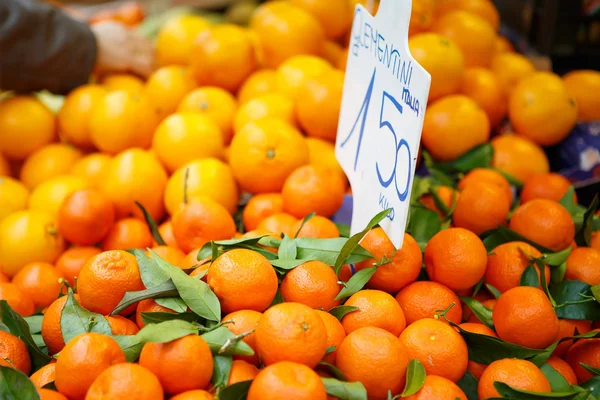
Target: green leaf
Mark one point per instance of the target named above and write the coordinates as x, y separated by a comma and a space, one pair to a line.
484, 314
287, 249
440, 173
415, 378
197, 295
541, 358
39, 342
304, 221
352, 243
541, 268
15, 385
328, 250
596, 292
229, 244
217, 338
511, 393
439, 203
167, 331
287, 264
530, 277
556, 259
237, 391
76, 320
173, 303
568, 201
340, 311
511, 179
130, 345
574, 300
152, 273
584, 234
557, 381
468, 385
345, 390
158, 317
356, 282
592, 384
152, 225
35, 323
166, 289
423, 225
495, 292
221, 370
593, 370
478, 157
503, 234
18, 327
557, 274
334, 371
344, 229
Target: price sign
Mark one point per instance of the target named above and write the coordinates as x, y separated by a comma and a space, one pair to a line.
381, 118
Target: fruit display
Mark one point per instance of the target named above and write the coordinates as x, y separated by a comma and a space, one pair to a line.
179, 237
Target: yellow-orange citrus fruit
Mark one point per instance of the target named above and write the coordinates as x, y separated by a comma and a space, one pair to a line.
312, 283
124, 82
127, 234
581, 265
268, 105
51, 329
167, 87
39, 281
482, 206
438, 388
296, 71
476, 369
424, 299
519, 157
487, 175
421, 16
551, 186
73, 117
125, 381
584, 351
175, 41
483, 8
48, 162
511, 68
13, 196
563, 368
582, 84
569, 327
260, 207
244, 321
50, 195
519, 374
258, 83
287, 380
375, 308
483, 86
14, 350
335, 334
91, 168
335, 16
507, 262
322, 152
16, 299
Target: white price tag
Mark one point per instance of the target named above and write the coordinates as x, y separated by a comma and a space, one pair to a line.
381, 118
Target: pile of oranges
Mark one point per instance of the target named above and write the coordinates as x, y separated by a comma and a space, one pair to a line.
170, 238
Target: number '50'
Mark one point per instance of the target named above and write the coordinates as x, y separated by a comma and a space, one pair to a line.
385, 179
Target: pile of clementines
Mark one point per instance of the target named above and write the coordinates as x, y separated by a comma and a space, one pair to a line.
171, 238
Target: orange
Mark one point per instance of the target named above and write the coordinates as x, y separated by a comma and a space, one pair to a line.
448, 195
453, 125
26, 125
312, 188
510, 68
258, 83
483, 8
126, 82
421, 16
127, 234
194, 395
442, 58
405, 264
122, 120
482, 206
296, 71
185, 137
51, 330
172, 255
342, 60
264, 153
474, 36
201, 221
73, 117
438, 388
50, 195
335, 334
244, 321
474, 368
318, 104
322, 152
48, 162
519, 374
291, 332
542, 109
545, 222
284, 30
223, 56
334, 16
423, 299
438, 346
456, 258
483, 86
486, 175
375, 308
333, 52
523, 315
279, 223
582, 265
567, 327
47, 394
105, 278
180, 365
166, 232
190, 260
175, 40
5, 167
366, 353
268, 105
312, 283
287, 380
585, 351
260, 232
44, 375
214, 103
167, 87
564, 369
581, 84
551, 186
519, 157
241, 371
243, 280
28, 236
85, 217
91, 168
125, 381
507, 262
148, 306
135, 175
317, 227
14, 350
503, 45
39, 281
595, 240
121, 326
13, 196
260, 207
82, 360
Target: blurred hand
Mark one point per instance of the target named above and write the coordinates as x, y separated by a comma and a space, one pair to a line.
121, 49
